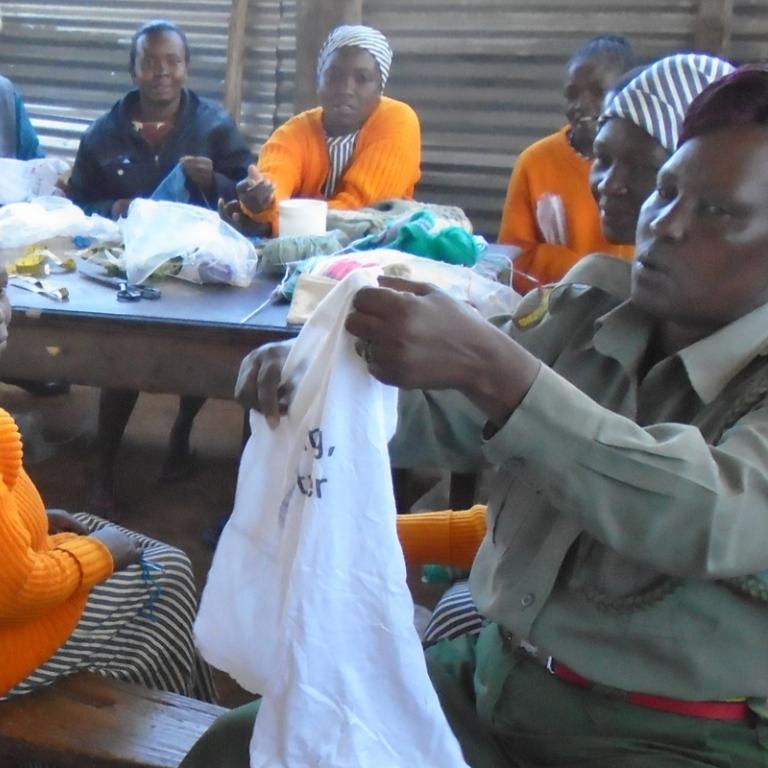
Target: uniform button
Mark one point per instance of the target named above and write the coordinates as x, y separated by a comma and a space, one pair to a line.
527, 600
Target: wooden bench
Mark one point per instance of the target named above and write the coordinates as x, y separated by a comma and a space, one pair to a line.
93, 721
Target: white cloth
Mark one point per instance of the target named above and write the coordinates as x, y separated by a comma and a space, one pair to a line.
306, 601
550, 216
488, 296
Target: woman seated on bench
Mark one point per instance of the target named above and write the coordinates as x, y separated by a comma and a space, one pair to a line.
637, 133
356, 148
79, 594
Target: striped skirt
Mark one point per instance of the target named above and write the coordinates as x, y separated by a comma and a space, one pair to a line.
136, 626
454, 615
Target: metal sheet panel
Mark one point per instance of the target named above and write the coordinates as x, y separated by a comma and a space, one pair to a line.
486, 78
749, 35
270, 69
70, 59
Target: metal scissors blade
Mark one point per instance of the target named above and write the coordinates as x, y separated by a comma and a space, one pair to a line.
125, 291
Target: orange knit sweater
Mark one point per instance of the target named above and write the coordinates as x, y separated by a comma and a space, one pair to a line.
447, 538
44, 580
386, 162
552, 167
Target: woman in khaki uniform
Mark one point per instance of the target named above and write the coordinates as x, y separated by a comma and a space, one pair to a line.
625, 572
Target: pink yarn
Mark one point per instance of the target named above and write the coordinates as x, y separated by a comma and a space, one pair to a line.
340, 268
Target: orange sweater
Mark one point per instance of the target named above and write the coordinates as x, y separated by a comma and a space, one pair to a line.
386, 162
552, 167
44, 580
447, 538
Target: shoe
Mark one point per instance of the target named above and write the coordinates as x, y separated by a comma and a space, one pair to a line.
178, 467
41, 388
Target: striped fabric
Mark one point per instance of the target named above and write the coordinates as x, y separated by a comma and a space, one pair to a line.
137, 627
454, 615
656, 100
340, 151
358, 36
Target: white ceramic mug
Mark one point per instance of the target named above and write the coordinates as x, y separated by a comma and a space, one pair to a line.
300, 216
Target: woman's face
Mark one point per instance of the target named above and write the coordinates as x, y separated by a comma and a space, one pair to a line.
349, 88
585, 87
5, 309
626, 162
702, 236
161, 68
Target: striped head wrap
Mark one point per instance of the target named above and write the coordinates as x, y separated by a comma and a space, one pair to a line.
358, 36
657, 99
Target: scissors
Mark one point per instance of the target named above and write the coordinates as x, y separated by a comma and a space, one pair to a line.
129, 292
43, 287
125, 291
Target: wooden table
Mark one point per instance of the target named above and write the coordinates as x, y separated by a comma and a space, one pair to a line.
189, 342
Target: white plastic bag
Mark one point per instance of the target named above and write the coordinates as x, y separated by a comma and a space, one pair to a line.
306, 600
207, 249
52, 222
22, 180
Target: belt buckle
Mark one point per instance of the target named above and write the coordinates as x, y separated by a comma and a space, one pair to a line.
550, 665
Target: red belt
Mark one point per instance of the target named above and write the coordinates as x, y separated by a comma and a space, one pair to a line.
709, 710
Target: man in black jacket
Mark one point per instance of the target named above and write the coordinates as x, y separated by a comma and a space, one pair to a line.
126, 154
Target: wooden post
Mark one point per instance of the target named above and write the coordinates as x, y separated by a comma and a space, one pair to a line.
314, 20
713, 26
233, 83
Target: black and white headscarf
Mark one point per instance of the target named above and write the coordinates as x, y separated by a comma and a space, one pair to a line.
341, 148
358, 36
657, 99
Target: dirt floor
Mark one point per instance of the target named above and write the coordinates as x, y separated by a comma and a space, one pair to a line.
59, 432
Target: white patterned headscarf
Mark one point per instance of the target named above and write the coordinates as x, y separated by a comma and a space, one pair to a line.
358, 36
657, 99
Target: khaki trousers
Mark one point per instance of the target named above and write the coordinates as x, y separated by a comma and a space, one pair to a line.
508, 711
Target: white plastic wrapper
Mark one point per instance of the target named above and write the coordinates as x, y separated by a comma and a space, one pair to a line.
23, 180
51, 222
204, 248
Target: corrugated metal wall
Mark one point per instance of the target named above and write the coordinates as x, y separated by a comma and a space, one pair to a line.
750, 30
71, 59
270, 69
486, 78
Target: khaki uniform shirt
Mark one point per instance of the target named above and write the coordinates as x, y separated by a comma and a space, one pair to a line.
626, 535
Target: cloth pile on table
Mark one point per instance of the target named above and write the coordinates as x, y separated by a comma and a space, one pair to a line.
419, 241
318, 277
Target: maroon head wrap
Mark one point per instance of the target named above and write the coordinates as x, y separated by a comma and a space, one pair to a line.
740, 98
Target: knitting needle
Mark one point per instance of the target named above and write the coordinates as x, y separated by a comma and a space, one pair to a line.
258, 309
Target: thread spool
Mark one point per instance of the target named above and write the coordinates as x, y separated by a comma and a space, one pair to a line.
302, 217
